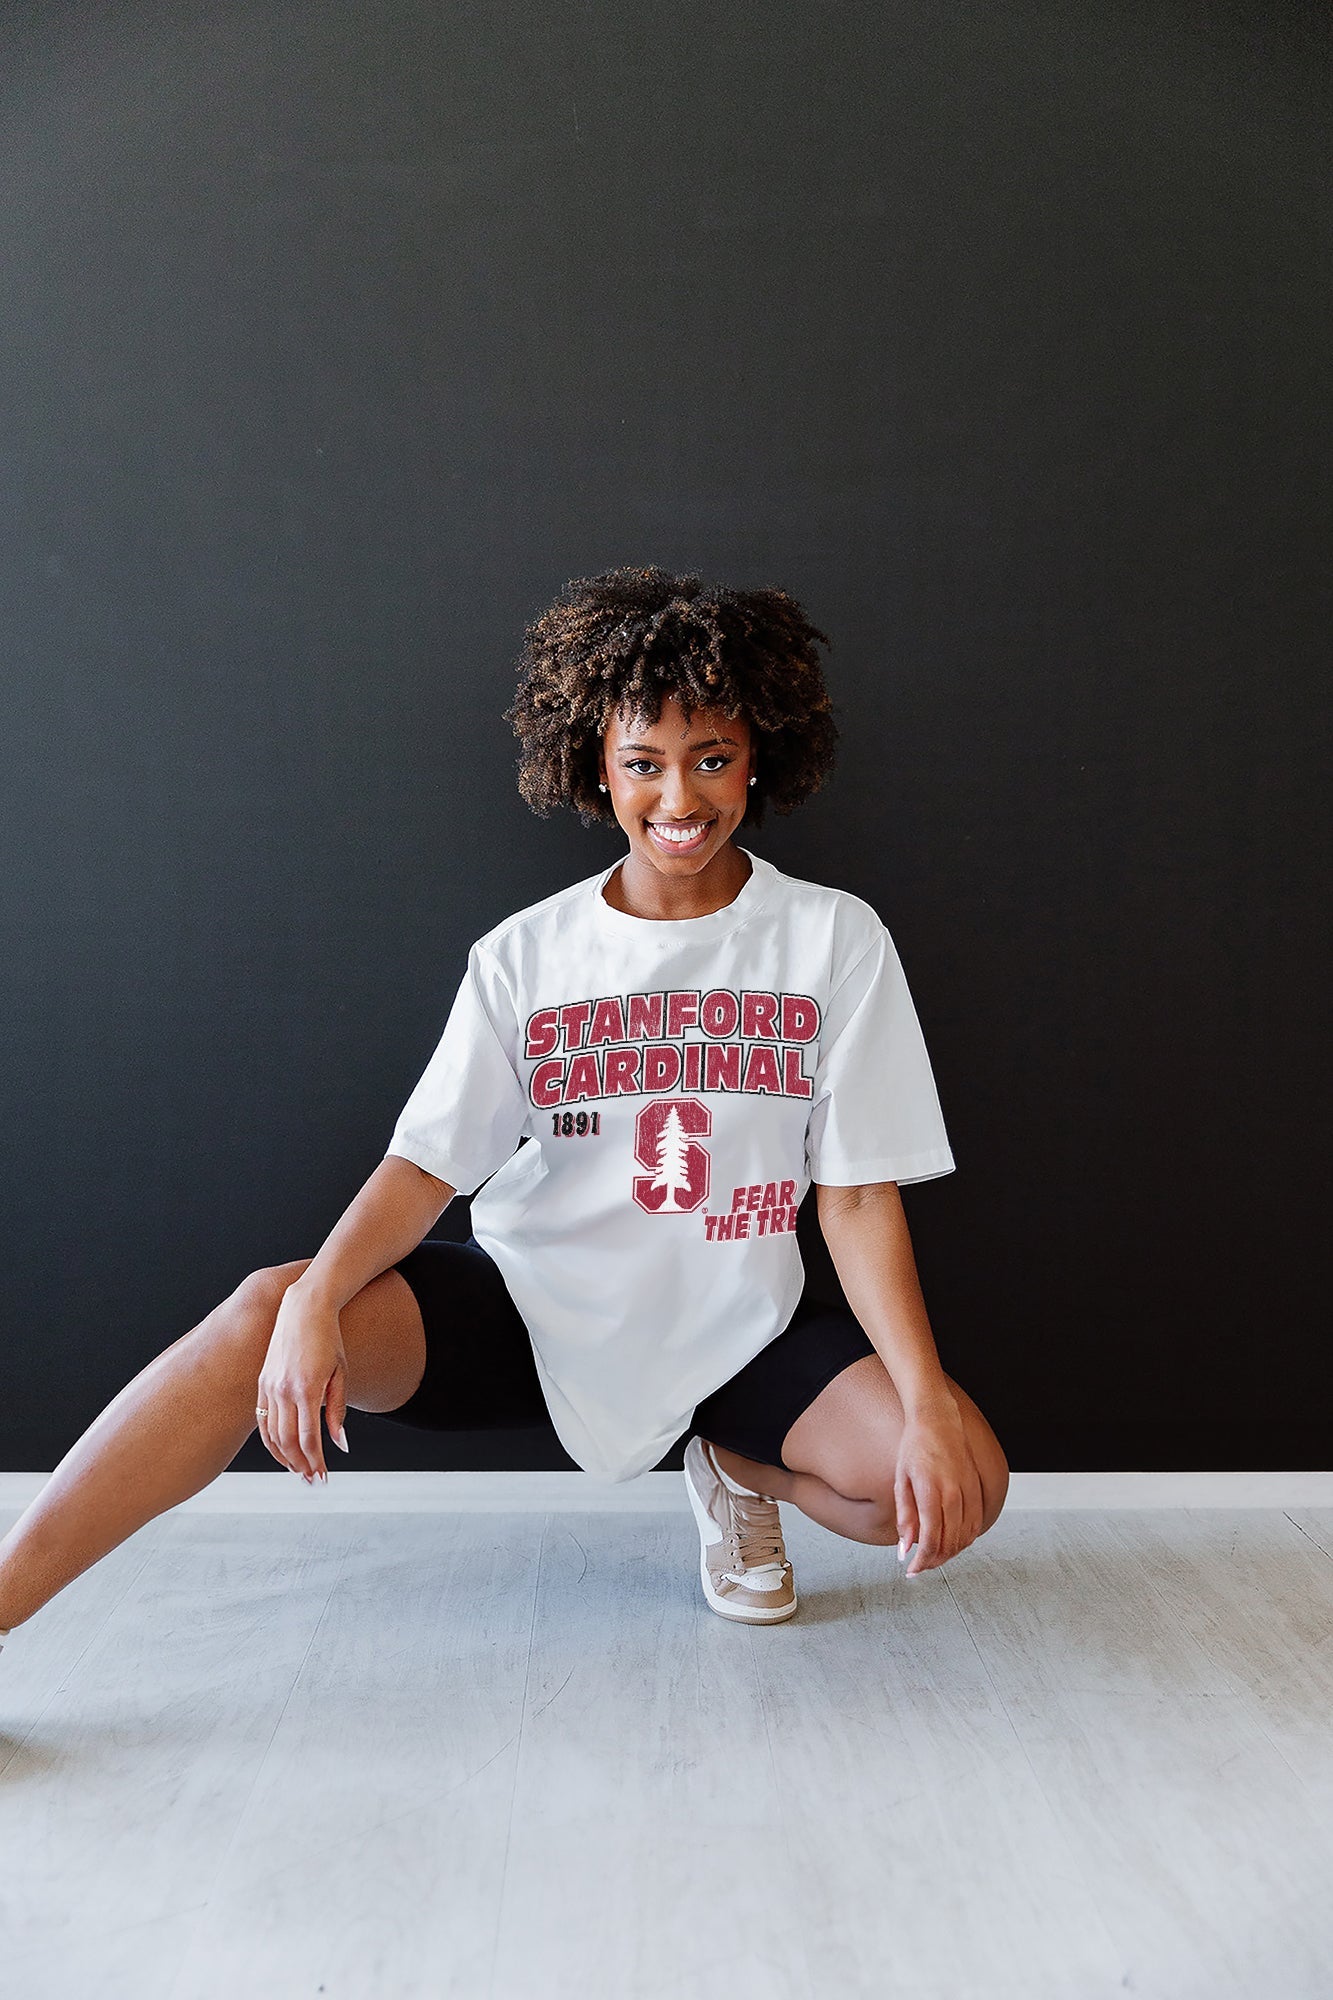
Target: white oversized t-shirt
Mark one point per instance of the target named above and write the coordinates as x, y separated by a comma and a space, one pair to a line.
679, 1085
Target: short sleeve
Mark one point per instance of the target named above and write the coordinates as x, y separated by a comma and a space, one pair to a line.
466, 1114
874, 1113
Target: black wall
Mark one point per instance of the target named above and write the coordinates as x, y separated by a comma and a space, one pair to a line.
335, 338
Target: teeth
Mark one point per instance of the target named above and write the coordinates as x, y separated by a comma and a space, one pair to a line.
681, 836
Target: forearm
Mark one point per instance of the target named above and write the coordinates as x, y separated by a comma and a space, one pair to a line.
388, 1218
871, 1247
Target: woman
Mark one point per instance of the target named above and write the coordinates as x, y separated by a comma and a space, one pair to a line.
647, 1070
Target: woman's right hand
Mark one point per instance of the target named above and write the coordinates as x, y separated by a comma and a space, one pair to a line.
305, 1367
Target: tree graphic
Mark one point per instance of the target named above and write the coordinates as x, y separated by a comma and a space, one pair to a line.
671, 1169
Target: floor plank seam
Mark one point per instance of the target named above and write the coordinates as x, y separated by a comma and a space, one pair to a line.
1327, 1553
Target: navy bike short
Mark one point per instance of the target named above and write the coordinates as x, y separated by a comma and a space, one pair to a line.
480, 1374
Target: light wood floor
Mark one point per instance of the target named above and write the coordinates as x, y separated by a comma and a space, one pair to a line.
514, 1757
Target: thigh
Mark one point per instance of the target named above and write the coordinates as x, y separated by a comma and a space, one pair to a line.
849, 1436
382, 1333
478, 1370
754, 1413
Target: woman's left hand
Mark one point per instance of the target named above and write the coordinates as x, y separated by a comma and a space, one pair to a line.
937, 1488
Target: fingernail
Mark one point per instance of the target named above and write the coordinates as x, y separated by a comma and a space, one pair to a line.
902, 1550
340, 1439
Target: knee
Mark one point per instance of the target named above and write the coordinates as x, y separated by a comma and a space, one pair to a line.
881, 1524
994, 1487
867, 1481
879, 1516
245, 1319
876, 1492
258, 1295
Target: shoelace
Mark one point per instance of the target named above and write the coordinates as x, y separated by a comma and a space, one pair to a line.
756, 1542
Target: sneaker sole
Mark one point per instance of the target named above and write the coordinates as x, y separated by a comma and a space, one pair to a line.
722, 1605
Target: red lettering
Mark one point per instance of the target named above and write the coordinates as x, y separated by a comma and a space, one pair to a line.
759, 1014
719, 1012
722, 1065
645, 1017
545, 1087
622, 1072
583, 1080
761, 1072
800, 1018
661, 1066
574, 1019
608, 1022
682, 1012
543, 1034
796, 1081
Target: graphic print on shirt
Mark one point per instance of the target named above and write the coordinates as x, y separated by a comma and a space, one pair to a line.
680, 1166
628, 1045
679, 1041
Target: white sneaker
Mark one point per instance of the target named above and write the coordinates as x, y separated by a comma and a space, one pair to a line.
742, 1561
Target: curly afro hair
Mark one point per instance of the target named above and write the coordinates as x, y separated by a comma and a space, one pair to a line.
627, 639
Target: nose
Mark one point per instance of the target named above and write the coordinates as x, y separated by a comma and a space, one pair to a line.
677, 799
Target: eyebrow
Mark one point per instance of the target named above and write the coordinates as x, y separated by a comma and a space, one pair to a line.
653, 751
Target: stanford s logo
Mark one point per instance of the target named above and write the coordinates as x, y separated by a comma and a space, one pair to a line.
665, 1143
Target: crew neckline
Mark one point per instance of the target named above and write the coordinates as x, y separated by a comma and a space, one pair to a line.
686, 930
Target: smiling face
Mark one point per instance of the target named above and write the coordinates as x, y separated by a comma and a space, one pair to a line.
678, 786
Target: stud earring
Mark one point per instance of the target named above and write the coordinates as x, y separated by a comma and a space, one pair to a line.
752, 781
601, 788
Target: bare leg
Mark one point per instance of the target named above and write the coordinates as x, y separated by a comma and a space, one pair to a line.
169, 1432
181, 1422
858, 1520
843, 1449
